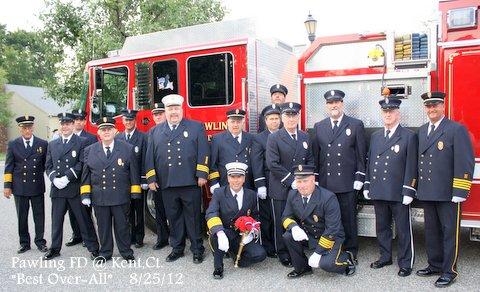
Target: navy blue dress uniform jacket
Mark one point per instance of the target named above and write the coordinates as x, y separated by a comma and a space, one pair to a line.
89, 137
260, 170
24, 169
110, 181
223, 208
445, 162
320, 219
340, 157
392, 165
181, 156
282, 154
65, 160
225, 149
139, 142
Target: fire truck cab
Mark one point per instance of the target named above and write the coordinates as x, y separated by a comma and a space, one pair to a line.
444, 56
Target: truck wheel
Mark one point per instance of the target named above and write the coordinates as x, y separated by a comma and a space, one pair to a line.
150, 212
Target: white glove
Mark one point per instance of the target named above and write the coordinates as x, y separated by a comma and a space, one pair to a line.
298, 234
365, 194
56, 182
456, 199
357, 185
294, 185
144, 187
214, 187
407, 200
86, 202
316, 183
248, 238
65, 180
222, 241
262, 193
314, 260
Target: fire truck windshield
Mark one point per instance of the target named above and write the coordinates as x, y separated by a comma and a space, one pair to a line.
111, 89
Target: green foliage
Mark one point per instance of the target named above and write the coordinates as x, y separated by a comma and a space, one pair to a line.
5, 114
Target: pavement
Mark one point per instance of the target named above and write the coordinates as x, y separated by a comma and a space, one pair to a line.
76, 272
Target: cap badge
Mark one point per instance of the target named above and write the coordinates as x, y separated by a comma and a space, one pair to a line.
278, 86
332, 92
429, 94
290, 105
104, 119
237, 111
300, 168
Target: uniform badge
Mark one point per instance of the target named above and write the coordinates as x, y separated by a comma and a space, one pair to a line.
248, 212
305, 145
74, 154
315, 218
39, 150
396, 148
136, 149
348, 132
440, 145
120, 162
185, 134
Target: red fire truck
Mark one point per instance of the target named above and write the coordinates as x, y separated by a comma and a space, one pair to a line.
221, 66
215, 66
445, 56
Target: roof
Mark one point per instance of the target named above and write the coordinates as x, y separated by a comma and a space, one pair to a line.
38, 97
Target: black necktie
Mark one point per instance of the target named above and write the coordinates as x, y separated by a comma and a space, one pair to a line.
65, 141
432, 128
387, 134
129, 136
235, 197
335, 126
28, 144
109, 153
294, 137
237, 138
305, 202
174, 127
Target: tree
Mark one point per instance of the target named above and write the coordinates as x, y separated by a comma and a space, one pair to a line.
78, 33
5, 114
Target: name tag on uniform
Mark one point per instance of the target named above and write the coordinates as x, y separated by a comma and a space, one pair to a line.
74, 154
440, 145
185, 134
305, 145
348, 132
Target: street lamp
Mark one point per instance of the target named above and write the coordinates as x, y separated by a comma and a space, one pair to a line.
311, 26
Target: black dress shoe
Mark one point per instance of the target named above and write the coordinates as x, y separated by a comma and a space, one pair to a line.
197, 258
218, 274
286, 263
93, 255
51, 254
23, 249
272, 254
139, 245
42, 248
173, 256
102, 259
350, 269
294, 274
404, 272
427, 272
352, 257
379, 264
444, 281
160, 245
74, 241
129, 258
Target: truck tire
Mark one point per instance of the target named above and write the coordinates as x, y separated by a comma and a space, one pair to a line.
150, 212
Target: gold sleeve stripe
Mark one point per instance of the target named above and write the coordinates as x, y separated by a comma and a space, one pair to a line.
135, 189
462, 184
85, 189
203, 168
7, 177
214, 221
213, 175
287, 222
326, 243
150, 173
460, 180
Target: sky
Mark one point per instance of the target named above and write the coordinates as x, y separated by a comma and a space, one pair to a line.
285, 19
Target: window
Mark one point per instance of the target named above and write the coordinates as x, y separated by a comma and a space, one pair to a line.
210, 80
111, 92
165, 80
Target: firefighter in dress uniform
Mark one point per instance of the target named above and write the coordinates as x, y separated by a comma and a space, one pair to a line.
278, 95
138, 140
285, 148
234, 144
228, 203
445, 164
261, 174
158, 114
79, 130
110, 179
312, 221
23, 178
390, 183
177, 162
339, 148
64, 168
